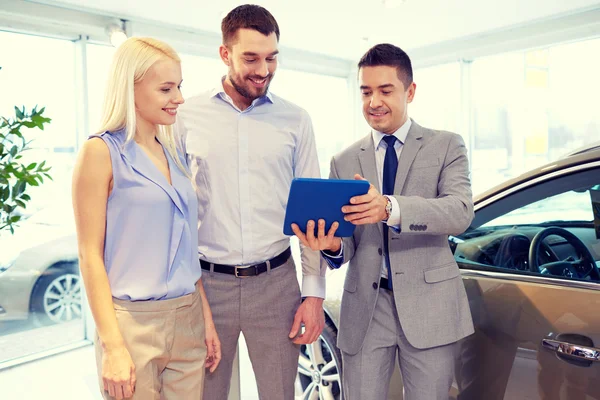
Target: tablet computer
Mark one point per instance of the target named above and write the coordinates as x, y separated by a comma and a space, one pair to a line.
321, 199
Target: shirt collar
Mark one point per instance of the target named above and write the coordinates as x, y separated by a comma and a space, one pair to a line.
219, 92
400, 134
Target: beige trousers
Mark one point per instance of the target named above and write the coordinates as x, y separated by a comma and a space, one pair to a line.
166, 342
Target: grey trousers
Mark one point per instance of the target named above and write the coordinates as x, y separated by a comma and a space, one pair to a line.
427, 374
262, 308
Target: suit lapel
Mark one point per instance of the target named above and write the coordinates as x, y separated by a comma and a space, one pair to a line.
407, 156
368, 166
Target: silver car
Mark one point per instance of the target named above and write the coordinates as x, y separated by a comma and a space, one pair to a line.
39, 274
530, 263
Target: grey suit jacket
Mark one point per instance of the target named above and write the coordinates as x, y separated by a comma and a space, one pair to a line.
434, 194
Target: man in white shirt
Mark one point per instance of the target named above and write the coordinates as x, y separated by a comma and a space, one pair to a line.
244, 146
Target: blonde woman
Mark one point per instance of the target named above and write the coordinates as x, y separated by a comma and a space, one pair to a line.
136, 216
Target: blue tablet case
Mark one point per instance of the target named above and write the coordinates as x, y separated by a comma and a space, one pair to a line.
321, 199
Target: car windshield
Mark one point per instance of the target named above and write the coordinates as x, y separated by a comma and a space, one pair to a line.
573, 206
566, 210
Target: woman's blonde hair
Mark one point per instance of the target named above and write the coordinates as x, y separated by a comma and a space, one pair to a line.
130, 63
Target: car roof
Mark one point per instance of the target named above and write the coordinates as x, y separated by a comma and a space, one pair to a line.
585, 149
580, 156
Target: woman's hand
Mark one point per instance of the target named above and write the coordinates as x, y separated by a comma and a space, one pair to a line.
213, 346
118, 372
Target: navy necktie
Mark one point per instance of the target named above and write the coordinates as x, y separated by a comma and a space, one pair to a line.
390, 166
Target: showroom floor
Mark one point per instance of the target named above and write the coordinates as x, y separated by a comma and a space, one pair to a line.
72, 376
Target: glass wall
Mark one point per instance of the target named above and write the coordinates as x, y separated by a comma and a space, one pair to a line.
99, 58
437, 99
40, 291
573, 105
530, 108
200, 74
526, 108
327, 101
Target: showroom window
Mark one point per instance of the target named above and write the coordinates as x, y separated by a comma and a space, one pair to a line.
40, 291
573, 117
437, 99
530, 108
200, 74
327, 101
99, 58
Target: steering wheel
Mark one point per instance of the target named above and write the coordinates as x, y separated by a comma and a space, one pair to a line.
567, 268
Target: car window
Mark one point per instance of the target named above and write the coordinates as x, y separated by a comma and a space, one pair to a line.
565, 207
549, 230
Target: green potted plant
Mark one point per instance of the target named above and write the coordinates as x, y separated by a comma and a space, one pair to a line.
15, 176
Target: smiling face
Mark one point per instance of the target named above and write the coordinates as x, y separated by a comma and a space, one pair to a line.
158, 95
384, 97
252, 61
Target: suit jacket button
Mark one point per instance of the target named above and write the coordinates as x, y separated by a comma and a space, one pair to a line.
374, 285
424, 227
380, 251
412, 227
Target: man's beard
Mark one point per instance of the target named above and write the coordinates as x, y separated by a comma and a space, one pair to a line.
245, 92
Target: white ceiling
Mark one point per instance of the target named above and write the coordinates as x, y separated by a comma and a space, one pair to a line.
345, 28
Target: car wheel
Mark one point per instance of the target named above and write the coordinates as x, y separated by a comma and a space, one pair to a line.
320, 368
56, 296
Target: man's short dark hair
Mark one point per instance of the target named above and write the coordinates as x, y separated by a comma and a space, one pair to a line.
248, 16
388, 55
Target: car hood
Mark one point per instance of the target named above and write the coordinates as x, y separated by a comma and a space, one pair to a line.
28, 236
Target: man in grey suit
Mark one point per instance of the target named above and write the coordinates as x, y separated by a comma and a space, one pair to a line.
403, 293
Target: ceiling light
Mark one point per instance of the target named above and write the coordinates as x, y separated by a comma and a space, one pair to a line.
116, 33
392, 3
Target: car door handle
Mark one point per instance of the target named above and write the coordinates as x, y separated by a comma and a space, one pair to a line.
573, 350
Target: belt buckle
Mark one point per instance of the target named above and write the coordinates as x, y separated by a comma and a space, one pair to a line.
238, 267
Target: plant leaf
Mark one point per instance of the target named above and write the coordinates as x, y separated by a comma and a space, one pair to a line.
19, 113
19, 188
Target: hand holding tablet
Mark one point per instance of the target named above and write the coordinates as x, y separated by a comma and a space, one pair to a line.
315, 199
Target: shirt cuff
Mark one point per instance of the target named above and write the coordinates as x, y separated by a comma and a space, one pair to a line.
331, 254
334, 260
313, 286
394, 219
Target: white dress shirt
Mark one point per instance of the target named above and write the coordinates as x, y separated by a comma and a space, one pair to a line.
380, 149
243, 163
394, 220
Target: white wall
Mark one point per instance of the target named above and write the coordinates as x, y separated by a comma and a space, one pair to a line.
338, 27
